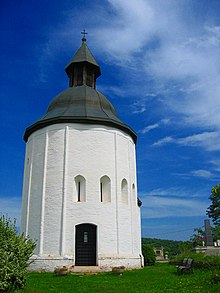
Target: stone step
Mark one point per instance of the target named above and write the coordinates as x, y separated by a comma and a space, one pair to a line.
86, 269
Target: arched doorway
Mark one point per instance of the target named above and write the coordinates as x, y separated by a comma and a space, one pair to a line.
85, 249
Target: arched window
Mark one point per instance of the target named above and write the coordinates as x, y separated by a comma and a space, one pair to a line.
105, 189
124, 191
80, 188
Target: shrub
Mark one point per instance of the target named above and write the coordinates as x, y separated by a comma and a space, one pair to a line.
149, 255
15, 251
200, 260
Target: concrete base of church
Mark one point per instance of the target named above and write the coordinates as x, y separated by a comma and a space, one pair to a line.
49, 263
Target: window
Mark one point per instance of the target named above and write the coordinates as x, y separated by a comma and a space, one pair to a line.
89, 77
71, 80
78, 191
80, 76
80, 188
101, 190
124, 191
105, 189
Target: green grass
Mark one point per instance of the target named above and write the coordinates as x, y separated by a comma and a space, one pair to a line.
158, 278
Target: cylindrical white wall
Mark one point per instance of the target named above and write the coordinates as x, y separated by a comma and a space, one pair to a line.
55, 156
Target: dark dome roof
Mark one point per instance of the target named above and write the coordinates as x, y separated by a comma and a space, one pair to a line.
81, 104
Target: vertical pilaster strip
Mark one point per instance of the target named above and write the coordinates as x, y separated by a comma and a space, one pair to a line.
43, 195
130, 197
63, 218
116, 190
29, 189
25, 192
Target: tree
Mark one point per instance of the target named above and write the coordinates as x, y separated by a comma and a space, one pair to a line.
198, 237
170, 246
186, 246
213, 210
216, 233
149, 255
15, 251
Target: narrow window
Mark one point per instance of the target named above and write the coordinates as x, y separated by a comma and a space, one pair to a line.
89, 77
105, 189
101, 191
124, 191
80, 189
71, 80
80, 76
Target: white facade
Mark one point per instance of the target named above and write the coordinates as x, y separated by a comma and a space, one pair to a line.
60, 156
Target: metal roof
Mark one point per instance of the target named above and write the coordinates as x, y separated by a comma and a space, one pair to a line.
83, 54
81, 104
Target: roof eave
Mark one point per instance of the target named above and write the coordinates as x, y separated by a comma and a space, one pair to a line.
88, 120
69, 67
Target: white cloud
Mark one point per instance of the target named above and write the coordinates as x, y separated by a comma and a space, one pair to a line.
139, 108
127, 30
113, 91
162, 207
207, 140
172, 192
156, 41
202, 173
165, 140
165, 121
181, 56
174, 202
149, 128
215, 165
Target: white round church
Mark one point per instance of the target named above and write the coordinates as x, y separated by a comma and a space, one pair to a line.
80, 189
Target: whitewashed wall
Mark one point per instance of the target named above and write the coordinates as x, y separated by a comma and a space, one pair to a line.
55, 155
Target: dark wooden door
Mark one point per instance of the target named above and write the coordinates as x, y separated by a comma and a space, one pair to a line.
85, 245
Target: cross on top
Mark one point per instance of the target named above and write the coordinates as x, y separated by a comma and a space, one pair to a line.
84, 33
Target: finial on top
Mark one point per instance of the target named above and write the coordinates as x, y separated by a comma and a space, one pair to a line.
84, 33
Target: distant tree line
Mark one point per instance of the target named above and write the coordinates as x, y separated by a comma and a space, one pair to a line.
171, 247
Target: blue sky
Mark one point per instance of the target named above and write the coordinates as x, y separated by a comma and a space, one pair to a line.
160, 68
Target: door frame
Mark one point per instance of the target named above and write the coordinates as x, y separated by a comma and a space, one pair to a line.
96, 241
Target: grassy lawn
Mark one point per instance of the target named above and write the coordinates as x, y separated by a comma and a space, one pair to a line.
158, 278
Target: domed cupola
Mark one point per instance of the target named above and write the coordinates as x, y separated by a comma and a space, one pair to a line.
81, 102
83, 68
